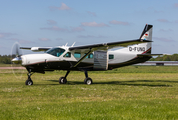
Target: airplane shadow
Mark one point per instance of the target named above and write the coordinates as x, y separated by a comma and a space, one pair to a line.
149, 83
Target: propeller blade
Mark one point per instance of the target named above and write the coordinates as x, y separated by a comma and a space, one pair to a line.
16, 54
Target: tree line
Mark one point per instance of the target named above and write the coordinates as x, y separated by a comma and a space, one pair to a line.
5, 59
173, 57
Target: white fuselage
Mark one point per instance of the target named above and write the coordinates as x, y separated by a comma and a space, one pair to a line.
117, 57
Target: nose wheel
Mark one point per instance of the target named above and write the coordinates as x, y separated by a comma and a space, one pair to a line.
29, 80
63, 80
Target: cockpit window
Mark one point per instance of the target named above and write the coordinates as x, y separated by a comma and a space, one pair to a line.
56, 51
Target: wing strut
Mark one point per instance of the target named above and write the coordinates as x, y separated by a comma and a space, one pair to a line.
82, 59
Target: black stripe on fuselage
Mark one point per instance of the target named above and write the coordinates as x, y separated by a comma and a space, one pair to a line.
130, 62
67, 65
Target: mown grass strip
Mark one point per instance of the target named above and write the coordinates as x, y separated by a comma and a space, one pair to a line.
114, 95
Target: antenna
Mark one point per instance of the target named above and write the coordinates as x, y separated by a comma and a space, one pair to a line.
66, 44
73, 44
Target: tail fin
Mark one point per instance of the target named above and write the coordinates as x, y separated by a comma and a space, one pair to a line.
147, 33
142, 48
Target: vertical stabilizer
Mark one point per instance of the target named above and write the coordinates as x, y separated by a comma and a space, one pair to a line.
142, 48
147, 33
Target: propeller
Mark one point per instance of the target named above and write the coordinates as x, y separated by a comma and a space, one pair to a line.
16, 60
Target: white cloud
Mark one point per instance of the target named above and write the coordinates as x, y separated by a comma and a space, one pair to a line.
91, 36
91, 13
115, 22
51, 22
21, 41
176, 21
55, 28
71, 29
62, 7
94, 24
176, 5
77, 29
158, 11
25, 42
166, 21
59, 39
1, 35
163, 30
4, 35
164, 39
43, 39
163, 20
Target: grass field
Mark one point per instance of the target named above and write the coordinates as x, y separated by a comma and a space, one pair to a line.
133, 92
5, 65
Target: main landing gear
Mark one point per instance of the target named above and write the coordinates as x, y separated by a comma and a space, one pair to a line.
62, 80
88, 80
29, 80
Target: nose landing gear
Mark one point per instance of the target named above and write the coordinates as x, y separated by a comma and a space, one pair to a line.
29, 80
63, 80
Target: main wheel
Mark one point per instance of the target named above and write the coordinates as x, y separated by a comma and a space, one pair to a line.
88, 81
29, 82
62, 80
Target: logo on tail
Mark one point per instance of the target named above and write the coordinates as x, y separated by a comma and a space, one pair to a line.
147, 32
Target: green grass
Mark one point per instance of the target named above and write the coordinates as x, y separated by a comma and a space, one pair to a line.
5, 65
134, 92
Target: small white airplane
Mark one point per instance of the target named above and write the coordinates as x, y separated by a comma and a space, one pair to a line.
94, 57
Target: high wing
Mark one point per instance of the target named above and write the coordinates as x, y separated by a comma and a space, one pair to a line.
36, 49
106, 46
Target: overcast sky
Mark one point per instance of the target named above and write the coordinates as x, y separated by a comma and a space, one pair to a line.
55, 22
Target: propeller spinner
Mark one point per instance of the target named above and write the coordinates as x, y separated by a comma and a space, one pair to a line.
16, 54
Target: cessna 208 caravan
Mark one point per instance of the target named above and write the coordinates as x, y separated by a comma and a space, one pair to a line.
94, 57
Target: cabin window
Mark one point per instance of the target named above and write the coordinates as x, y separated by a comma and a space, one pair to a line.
111, 56
90, 55
77, 55
67, 55
55, 51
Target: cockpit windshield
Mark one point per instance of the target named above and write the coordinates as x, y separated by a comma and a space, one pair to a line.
55, 51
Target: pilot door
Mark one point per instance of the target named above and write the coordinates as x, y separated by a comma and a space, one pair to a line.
100, 60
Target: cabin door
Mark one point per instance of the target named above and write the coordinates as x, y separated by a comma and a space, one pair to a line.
100, 60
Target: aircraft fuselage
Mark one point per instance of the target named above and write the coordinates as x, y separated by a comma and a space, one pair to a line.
47, 62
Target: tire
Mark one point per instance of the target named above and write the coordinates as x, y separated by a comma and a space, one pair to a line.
62, 80
88, 81
29, 82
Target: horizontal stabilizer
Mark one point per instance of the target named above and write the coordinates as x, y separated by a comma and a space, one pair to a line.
142, 55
